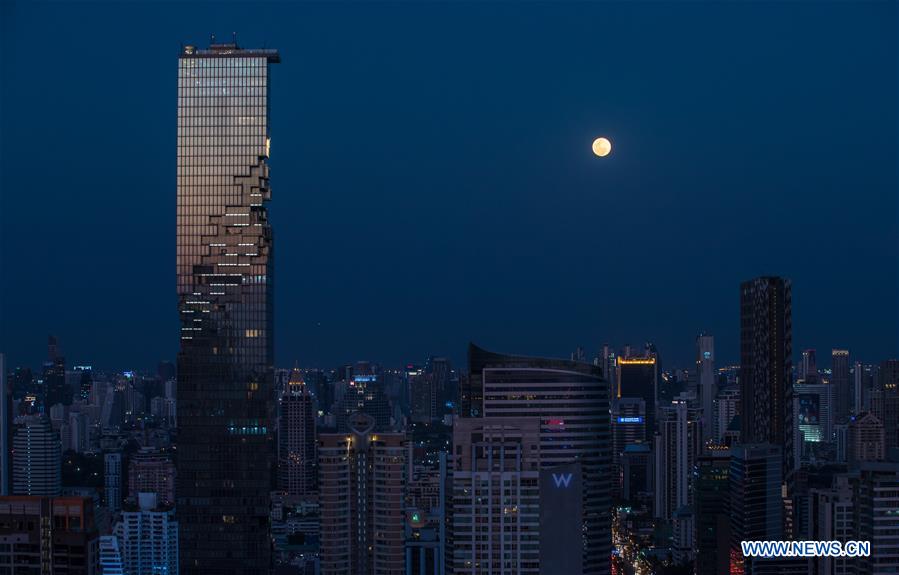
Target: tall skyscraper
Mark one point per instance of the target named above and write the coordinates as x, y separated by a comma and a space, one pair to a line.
708, 383
37, 459
808, 371
842, 391
766, 350
112, 481
638, 376
496, 495
572, 401
756, 503
6, 419
297, 462
224, 269
677, 445
876, 502
361, 479
55, 389
885, 402
711, 501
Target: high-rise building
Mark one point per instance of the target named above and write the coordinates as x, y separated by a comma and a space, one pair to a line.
628, 426
422, 395
832, 518
297, 463
152, 471
865, 439
112, 481
496, 495
766, 348
425, 513
148, 537
808, 370
727, 406
885, 402
36, 458
756, 502
842, 391
55, 388
813, 409
677, 445
572, 401
361, 482
876, 502
6, 421
639, 377
225, 287
711, 502
708, 384
49, 535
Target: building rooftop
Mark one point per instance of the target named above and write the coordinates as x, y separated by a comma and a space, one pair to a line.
229, 50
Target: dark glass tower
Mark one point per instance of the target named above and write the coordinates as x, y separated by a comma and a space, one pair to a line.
224, 264
766, 364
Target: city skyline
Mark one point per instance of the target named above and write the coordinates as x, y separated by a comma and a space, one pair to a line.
384, 204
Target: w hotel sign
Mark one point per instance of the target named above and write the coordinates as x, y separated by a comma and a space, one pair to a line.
561, 520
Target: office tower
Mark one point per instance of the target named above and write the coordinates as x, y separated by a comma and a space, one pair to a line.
6, 421
110, 556
225, 288
842, 391
572, 401
636, 467
422, 395
832, 518
708, 384
677, 444
85, 382
756, 502
808, 370
628, 425
361, 482
36, 458
79, 440
885, 403
813, 408
296, 439
148, 537
425, 513
711, 502
55, 388
639, 377
865, 438
48, 535
876, 502
727, 406
443, 376
112, 481
766, 365
496, 495
152, 471
364, 394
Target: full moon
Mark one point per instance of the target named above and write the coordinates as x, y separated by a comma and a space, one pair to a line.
602, 147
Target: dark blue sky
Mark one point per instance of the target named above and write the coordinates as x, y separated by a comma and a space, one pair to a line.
433, 180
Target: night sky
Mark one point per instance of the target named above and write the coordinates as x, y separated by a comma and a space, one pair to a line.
433, 180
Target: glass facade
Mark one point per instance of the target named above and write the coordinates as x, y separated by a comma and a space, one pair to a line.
224, 275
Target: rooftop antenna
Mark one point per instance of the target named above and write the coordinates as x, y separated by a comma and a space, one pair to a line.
234, 38
212, 38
